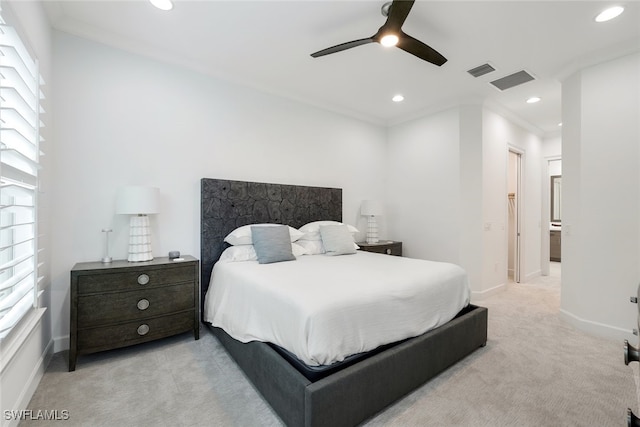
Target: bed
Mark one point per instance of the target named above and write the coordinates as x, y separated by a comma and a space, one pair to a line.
349, 391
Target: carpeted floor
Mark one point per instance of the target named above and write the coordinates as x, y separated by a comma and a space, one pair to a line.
536, 370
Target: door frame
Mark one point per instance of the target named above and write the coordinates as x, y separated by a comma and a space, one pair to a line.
517, 256
545, 267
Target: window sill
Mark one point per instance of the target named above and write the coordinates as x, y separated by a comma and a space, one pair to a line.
16, 339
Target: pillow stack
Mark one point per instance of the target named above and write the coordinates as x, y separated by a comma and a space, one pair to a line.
269, 243
338, 238
265, 243
243, 235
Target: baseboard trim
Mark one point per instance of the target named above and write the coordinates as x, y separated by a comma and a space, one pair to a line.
532, 276
60, 344
31, 384
480, 295
597, 328
36, 376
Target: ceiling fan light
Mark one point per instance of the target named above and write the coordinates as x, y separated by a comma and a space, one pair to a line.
162, 4
609, 14
389, 40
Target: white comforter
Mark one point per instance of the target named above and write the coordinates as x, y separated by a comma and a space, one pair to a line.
325, 308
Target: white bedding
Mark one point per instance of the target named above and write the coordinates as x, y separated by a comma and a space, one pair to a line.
325, 308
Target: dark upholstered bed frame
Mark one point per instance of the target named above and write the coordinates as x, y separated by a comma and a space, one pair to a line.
357, 392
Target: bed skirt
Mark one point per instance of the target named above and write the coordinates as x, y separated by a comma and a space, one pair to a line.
357, 392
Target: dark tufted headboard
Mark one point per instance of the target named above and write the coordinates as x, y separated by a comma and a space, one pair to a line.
226, 205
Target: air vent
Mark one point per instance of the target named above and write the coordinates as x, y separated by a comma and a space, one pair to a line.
481, 70
512, 80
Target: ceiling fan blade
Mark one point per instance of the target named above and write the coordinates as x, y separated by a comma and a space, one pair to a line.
398, 12
419, 49
343, 46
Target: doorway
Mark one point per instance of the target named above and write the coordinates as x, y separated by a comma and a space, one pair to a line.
514, 196
552, 221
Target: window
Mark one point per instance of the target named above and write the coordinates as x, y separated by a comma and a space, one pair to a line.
20, 125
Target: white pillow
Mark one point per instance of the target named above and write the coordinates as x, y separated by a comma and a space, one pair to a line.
312, 230
248, 253
312, 247
298, 250
239, 253
242, 235
337, 240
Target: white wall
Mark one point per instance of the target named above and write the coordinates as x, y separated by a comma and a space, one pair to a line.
555, 168
447, 192
423, 186
123, 119
472, 256
26, 352
499, 135
601, 207
552, 147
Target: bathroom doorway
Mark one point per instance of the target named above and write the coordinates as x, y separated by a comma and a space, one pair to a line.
514, 196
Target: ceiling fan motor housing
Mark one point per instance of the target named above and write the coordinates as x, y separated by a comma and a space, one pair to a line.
385, 8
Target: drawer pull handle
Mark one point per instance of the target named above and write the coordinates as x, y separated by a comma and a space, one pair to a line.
631, 354
388, 251
143, 329
143, 304
143, 279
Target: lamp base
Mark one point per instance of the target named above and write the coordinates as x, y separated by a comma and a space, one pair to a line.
139, 239
372, 230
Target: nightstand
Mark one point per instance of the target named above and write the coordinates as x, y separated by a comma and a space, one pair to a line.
125, 303
388, 247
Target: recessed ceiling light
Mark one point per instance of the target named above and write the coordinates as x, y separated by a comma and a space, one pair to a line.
162, 4
533, 100
398, 98
560, 124
609, 14
389, 40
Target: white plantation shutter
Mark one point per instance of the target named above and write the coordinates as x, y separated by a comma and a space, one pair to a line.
19, 164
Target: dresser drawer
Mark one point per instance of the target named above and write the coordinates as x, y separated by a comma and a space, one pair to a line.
124, 334
100, 309
129, 280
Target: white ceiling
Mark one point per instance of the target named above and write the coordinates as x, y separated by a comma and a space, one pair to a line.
267, 45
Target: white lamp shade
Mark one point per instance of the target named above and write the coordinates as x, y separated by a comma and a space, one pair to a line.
371, 208
135, 200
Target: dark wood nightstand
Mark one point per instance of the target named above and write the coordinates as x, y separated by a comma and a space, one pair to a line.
388, 247
124, 303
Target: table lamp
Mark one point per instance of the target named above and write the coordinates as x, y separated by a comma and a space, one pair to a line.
139, 202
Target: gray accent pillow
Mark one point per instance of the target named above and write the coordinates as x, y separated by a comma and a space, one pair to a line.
337, 240
272, 244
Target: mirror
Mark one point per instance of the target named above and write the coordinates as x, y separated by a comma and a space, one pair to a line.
556, 198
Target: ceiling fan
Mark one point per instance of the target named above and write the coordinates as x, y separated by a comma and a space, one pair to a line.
391, 34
